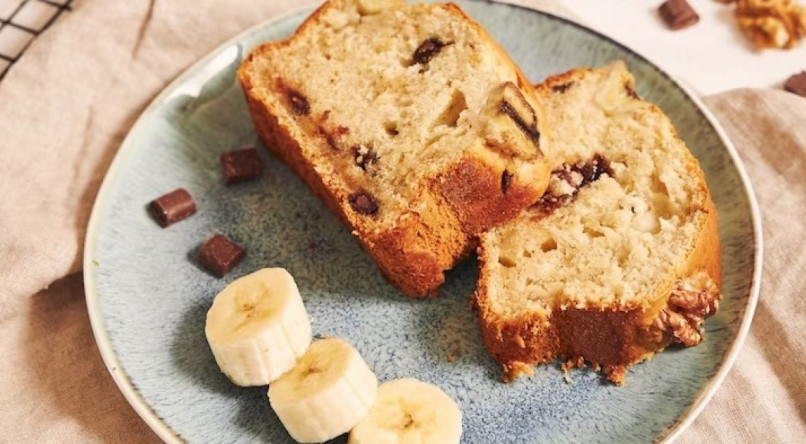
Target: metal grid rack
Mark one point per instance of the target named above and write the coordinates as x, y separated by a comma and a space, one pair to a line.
21, 21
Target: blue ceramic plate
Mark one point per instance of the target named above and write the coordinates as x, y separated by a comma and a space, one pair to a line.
147, 298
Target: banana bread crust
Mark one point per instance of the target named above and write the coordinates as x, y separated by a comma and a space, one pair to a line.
612, 338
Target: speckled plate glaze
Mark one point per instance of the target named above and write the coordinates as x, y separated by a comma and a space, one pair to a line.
147, 298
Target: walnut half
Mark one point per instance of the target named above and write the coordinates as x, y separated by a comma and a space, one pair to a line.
771, 23
680, 322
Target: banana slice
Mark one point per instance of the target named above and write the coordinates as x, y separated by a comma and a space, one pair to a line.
258, 327
410, 411
329, 390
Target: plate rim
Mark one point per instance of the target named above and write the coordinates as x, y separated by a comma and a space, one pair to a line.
161, 428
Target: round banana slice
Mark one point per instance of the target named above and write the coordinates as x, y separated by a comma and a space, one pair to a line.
329, 390
410, 411
258, 327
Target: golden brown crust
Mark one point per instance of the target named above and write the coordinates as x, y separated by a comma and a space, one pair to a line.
562, 80
610, 338
479, 197
607, 338
414, 253
406, 254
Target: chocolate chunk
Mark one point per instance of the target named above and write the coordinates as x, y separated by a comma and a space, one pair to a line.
562, 87
796, 84
299, 104
509, 111
678, 14
172, 207
531, 131
219, 255
514, 104
506, 181
576, 177
545, 206
241, 165
363, 202
593, 169
365, 157
427, 50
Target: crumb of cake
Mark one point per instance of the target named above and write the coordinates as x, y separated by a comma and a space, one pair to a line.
455, 353
573, 363
567, 366
570, 364
516, 369
615, 373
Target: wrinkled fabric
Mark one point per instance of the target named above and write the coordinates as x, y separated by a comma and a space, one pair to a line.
66, 106
763, 398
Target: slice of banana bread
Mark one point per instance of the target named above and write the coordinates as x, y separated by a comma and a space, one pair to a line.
411, 124
620, 257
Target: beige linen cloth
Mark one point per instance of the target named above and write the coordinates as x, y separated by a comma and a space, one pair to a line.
64, 110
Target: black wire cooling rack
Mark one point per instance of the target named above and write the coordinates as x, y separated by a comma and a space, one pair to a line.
21, 21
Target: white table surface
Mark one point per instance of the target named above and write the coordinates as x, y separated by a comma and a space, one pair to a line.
712, 56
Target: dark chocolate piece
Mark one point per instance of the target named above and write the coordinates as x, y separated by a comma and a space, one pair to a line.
219, 255
506, 181
796, 84
576, 176
299, 103
427, 50
363, 202
531, 131
678, 14
172, 207
241, 165
593, 169
365, 157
